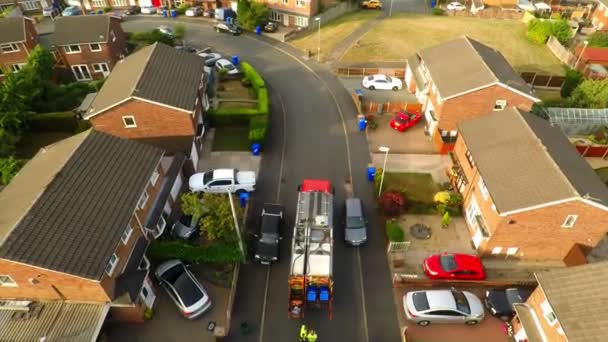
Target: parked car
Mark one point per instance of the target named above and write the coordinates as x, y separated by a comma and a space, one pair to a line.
228, 28
48, 11
120, 15
186, 48
443, 306
185, 290
71, 11
148, 10
268, 240
132, 10
404, 120
222, 180
185, 228
500, 302
224, 64
456, 6
454, 266
382, 82
271, 27
166, 30
195, 11
371, 4
355, 230
209, 58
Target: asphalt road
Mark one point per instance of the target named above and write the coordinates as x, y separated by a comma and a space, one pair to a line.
311, 114
413, 6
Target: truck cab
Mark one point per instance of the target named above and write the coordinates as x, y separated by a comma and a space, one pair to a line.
267, 245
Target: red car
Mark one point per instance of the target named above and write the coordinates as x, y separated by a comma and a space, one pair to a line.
454, 266
405, 120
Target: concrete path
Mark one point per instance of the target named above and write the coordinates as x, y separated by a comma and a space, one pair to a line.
351, 39
435, 164
226, 159
597, 163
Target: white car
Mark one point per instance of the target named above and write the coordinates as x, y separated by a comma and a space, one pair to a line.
148, 10
222, 180
456, 6
194, 12
382, 82
210, 58
166, 30
49, 11
224, 64
443, 306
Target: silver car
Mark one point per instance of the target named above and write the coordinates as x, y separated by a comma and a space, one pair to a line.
443, 306
185, 290
355, 231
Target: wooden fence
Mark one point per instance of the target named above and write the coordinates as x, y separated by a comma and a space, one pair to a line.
489, 13
360, 72
409, 280
369, 107
560, 51
543, 81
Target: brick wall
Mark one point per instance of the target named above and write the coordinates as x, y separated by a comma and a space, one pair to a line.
534, 302
10, 58
290, 6
133, 314
117, 43
599, 17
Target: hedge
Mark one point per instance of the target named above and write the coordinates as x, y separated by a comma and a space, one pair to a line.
215, 254
394, 232
240, 116
258, 126
53, 122
253, 76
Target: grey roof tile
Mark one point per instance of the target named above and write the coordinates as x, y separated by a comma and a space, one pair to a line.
81, 29
12, 30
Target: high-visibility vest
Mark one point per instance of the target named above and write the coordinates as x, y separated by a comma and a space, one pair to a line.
312, 336
303, 331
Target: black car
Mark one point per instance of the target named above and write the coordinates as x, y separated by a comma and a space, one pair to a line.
228, 28
271, 27
132, 10
186, 228
267, 245
500, 302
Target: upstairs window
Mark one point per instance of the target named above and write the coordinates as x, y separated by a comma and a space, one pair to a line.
483, 189
570, 221
548, 313
300, 3
142, 200
71, 49
95, 47
112, 264
8, 48
126, 235
469, 158
7, 281
129, 121
154, 177
500, 104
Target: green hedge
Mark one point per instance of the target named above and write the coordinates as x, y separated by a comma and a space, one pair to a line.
215, 254
258, 126
53, 122
394, 232
253, 76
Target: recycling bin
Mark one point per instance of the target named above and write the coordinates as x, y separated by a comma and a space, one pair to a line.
243, 198
164, 13
173, 13
371, 173
258, 30
235, 60
255, 149
362, 124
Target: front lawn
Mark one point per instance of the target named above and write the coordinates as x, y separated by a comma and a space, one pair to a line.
231, 138
394, 39
418, 187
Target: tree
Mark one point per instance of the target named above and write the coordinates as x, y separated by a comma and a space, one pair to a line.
561, 30
573, 79
251, 14
599, 39
8, 169
540, 30
8, 142
590, 94
192, 205
216, 223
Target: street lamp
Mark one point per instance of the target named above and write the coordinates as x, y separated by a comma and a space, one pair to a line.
319, 41
585, 43
236, 225
385, 150
390, 9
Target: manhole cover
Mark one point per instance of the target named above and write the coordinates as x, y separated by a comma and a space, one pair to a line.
420, 231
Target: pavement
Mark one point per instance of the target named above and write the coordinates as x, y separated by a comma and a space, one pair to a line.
341, 48
435, 164
413, 6
216, 160
412, 141
378, 96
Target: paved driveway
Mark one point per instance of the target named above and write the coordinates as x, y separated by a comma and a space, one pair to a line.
415, 6
378, 96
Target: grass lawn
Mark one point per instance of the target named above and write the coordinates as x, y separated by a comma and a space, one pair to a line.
333, 33
234, 138
603, 174
236, 104
32, 142
418, 187
396, 38
550, 96
234, 89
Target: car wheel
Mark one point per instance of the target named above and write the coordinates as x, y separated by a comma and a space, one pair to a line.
471, 322
395, 88
424, 323
372, 88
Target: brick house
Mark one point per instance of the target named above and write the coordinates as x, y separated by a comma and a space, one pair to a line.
567, 305
462, 79
18, 37
75, 223
24, 5
599, 16
89, 46
524, 184
593, 61
295, 13
157, 96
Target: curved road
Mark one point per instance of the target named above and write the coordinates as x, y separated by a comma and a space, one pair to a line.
312, 133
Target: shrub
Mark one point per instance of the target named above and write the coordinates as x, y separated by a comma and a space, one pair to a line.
179, 30
599, 39
392, 203
437, 11
539, 31
263, 107
446, 219
214, 254
8, 142
573, 79
150, 37
394, 232
107, 9
53, 122
561, 30
258, 127
253, 76
9, 168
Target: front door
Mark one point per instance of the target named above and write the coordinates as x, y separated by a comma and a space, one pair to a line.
477, 238
286, 19
147, 293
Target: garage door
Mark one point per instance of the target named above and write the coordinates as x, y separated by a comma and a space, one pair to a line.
145, 3
194, 155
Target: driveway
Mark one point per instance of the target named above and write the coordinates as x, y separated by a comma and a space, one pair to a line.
413, 6
378, 96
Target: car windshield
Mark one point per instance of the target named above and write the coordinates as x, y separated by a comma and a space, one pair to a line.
389, 79
207, 177
370, 78
447, 262
354, 222
401, 119
269, 239
173, 273
421, 303
462, 304
188, 292
228, 66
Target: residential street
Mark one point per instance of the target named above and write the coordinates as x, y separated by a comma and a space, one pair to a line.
312, 130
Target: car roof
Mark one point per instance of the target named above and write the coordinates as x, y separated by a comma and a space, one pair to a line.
272, 209
379, 77
222, 173
440, 299
354, 207
270, 224
467, 261
223, 61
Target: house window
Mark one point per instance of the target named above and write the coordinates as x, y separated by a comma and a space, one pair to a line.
162, 223
569, 222
496, 250
81, 72
29, 5
17, 67
8, 48
112, 264
119, 3
469, 158
126, 234
285, 2
275, 16
500, 104
154, 177
129, 121
95, 47
101, 67
302, 21
7, 281
548, 313
483, 189
71, 49
99, 3
300, 3
142, 200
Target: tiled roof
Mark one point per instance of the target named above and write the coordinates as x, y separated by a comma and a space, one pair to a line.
81, 29
12, 30
68, 207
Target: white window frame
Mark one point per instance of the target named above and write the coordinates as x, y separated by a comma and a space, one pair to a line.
496, 250
95, 50
99, 3
68, 49
500, 105
29, 5
124, 121
79, 67
301, 21
300, 3
162, 223
285, 2
119, 3
111, 266
482, 188
13, 48
126, 235
570, 221
7, 281
154, 177
98, 67
17, 67
141, 203
548, 313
